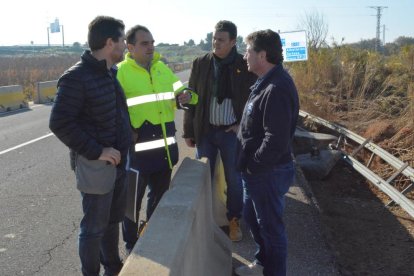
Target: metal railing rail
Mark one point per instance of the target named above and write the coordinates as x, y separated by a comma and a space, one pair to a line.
385, 155
383, 185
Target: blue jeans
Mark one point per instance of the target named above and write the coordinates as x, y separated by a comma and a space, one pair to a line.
225, 142
99, 229
158, 183
263, 212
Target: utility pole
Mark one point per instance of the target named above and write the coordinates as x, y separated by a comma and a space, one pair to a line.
63, 37
379, 10
48, 39
383, 34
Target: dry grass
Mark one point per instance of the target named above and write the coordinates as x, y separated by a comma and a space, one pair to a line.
27, 71
366, 92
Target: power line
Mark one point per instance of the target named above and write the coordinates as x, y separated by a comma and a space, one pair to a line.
378, 40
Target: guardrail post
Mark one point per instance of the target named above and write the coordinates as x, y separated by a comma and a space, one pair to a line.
370, 160
392, 177
360, 147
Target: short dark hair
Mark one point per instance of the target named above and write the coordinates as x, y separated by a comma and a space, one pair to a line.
268, 41
130, 35
227, 26
102, 28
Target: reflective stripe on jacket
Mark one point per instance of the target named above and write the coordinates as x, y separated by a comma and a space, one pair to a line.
151, 99
150, 95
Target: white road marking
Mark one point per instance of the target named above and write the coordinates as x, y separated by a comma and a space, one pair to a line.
25, 144
37, 139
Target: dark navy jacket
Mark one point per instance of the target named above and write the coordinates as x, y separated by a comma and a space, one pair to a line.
268, 123
90, 111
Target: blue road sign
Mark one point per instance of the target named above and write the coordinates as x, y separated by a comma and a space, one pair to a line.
294, 46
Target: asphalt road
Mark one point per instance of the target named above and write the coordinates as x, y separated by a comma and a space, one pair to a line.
41, 209
40, 205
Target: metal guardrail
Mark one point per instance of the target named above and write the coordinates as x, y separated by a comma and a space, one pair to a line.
383, 185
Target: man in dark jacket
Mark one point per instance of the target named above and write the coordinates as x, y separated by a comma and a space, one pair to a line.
222, 82
90, 117
265, 159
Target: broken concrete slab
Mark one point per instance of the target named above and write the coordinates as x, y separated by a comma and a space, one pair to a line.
304, 141
318, 167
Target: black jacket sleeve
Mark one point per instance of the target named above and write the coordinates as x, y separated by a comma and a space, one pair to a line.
188, 126
65, 117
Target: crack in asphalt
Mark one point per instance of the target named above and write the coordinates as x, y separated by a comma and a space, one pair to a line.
49, 251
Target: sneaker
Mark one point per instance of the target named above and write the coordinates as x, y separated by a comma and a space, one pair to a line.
235, 232
249, 270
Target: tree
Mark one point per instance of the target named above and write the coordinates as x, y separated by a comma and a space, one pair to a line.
316, 29
365, 44
191, 43
404, 40
76, 45
208, 42
241, 46
394, 47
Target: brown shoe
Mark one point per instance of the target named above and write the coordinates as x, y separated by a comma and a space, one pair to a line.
235, 233
142, 226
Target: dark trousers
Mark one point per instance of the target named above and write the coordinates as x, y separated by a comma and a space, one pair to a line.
264, 204
218, 140
99, 229
158, 183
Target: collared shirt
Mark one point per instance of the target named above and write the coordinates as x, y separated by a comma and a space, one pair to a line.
256, 85
221, 114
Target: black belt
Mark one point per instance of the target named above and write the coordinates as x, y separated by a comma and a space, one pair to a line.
221, 127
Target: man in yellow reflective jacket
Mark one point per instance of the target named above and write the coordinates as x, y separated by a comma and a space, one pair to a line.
152, 94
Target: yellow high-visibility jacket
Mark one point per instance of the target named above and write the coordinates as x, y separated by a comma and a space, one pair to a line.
151, 106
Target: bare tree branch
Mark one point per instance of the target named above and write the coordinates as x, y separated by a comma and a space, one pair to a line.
316, 29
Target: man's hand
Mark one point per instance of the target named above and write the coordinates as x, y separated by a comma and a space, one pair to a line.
111, 155
190, 142
184, 97
234, 128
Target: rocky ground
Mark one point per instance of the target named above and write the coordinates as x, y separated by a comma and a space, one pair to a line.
366, 237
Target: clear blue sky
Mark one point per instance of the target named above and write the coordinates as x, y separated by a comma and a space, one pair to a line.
23, 21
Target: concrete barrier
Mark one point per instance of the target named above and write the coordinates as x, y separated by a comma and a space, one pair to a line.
11, 97
181, 237
46, 92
